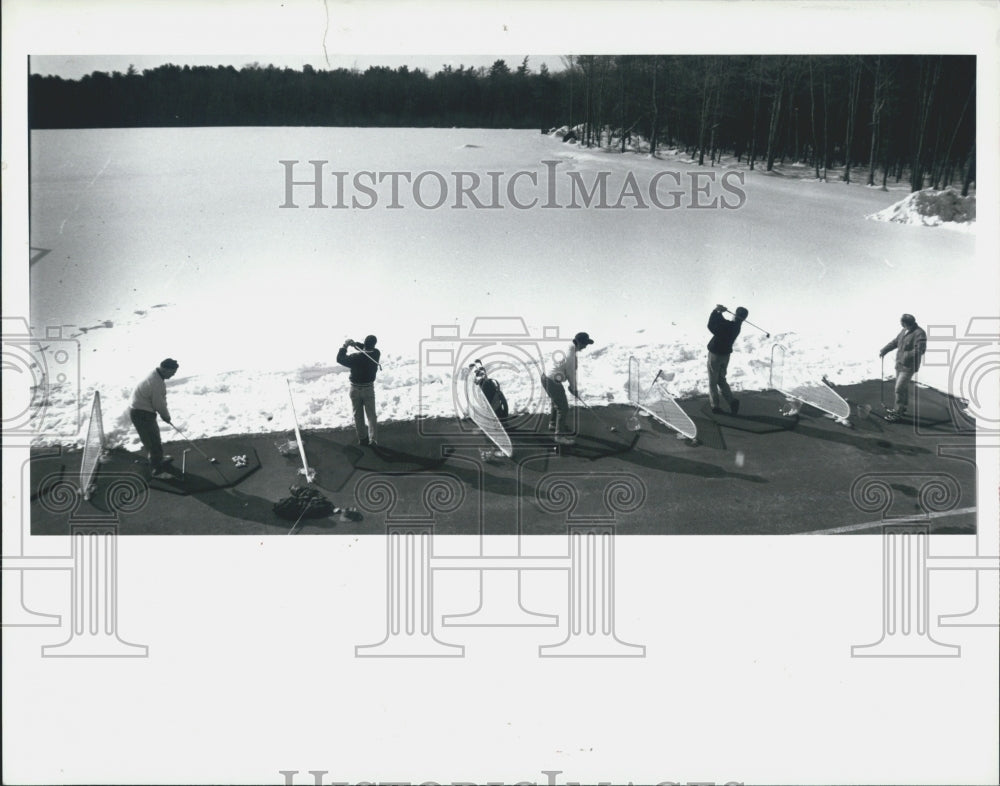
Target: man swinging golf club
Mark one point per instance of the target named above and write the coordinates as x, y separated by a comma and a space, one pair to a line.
910, 345
562, 366
149, 399
364, 365
724, 333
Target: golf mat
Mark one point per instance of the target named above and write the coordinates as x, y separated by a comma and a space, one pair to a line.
332, 462
192, 470
402, 453
929, 408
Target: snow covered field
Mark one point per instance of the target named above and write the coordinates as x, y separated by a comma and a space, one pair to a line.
172, 242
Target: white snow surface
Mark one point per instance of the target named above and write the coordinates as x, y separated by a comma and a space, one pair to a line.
152, 243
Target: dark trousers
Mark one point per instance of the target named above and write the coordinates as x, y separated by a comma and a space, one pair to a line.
717, 366
149, 432
560, 404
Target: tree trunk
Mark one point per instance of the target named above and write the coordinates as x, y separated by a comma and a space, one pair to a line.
706, 100
812, 119
826, 134
653, 112
970, 171
621, 98
877, 104
853, 91
928, 82
949, 164
756, 113
772, 130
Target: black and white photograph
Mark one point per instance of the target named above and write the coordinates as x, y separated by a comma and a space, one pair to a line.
502, 392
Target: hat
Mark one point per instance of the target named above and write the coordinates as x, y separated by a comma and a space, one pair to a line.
370, 342
908, 319
742, 313
583, 339
169, 364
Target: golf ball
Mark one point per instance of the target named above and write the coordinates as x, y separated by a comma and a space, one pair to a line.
740, 458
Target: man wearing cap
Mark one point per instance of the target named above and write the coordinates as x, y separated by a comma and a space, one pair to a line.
724, 333
364, 365
562, 366
910, 345
149, 399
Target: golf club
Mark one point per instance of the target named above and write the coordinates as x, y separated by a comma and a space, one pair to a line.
204, 455
881, 383
766, 334
295, 526
601, 420
361, 348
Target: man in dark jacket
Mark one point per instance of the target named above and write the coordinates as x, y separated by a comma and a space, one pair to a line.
724, 333
910, 345
364, 365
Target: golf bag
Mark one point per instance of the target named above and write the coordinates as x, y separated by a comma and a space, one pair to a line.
491, 389
304, 503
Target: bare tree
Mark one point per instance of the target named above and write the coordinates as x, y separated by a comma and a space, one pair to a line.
970, 171
812, 119
878, 104
947, 165
853, 96
777, 95
930, 73
758, 83
653, 108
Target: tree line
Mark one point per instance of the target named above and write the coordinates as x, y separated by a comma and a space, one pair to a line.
869, 117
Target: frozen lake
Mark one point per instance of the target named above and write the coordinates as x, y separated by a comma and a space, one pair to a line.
148, 243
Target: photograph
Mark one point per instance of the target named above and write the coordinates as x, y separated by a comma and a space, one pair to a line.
512, 353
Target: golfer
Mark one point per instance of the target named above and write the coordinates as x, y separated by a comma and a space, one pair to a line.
562, 367
724, 333
364, 365
149, 399
910, 345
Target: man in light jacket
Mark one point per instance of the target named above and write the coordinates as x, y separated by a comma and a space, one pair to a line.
562, 367
910, 345
149, 399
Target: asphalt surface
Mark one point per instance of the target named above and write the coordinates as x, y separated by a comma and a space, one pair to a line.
759, 473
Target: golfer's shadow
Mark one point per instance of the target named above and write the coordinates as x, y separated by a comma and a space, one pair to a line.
865, 443
242, 506
592, 447
662, 462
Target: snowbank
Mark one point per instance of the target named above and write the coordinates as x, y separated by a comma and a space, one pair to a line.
931, 208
